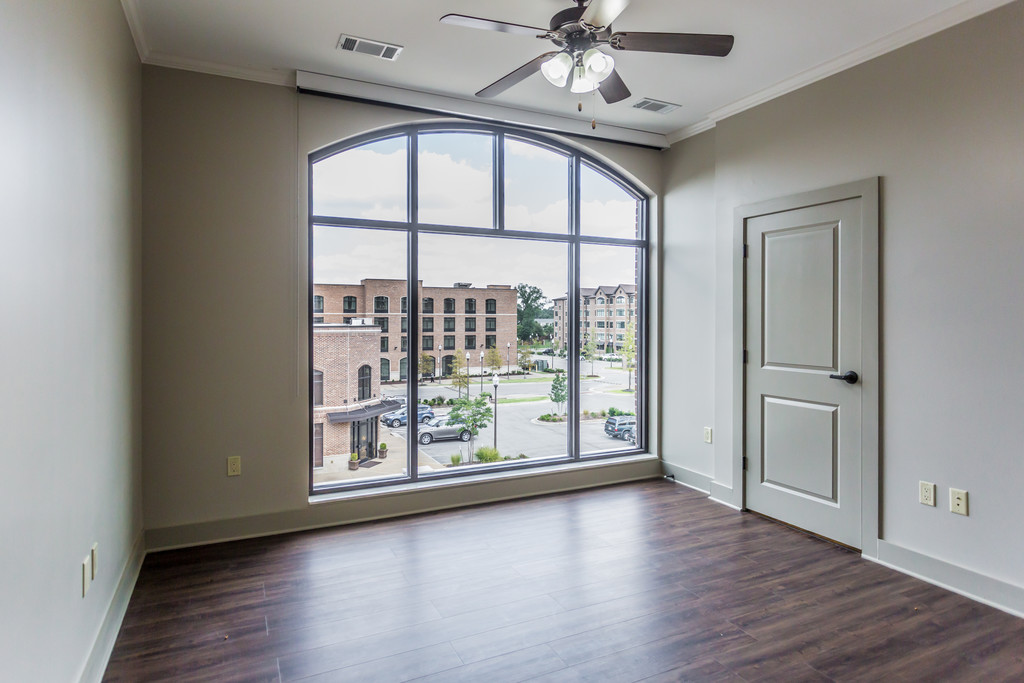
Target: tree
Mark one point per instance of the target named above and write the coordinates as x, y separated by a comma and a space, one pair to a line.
474, 413
530, 305
559, 390
589, 352
525, 359
629, 352
426, 364
460, 373
493, 360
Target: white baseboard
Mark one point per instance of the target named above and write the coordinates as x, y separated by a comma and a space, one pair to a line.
723, 494
96, 664
687, 477
994, 592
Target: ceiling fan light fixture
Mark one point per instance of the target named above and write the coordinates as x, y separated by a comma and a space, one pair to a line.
557, 69
597, 65
580, 82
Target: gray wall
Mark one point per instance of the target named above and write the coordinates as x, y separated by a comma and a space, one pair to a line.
69, 283
940, 121
224, 295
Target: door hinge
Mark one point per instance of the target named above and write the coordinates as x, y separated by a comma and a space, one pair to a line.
744, 463
745, 356
746, 251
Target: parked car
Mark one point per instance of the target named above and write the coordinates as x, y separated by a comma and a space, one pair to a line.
616, 427
629, 435
439, 428
548, 352
397, 418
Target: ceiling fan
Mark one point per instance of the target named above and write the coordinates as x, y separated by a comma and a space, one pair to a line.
578, 32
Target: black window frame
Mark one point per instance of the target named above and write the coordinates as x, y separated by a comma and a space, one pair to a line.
449, 325
470, 342
428, 325
427, 342
470, 325
318, 303
574, 239
491, 307
428, 305
364, 383
381, 299
490, 341
470, 306
449, 305
349, 304
490, 324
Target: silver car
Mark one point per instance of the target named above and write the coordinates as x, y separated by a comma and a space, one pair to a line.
438, 429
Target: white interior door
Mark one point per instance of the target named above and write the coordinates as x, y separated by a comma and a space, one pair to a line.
804, 271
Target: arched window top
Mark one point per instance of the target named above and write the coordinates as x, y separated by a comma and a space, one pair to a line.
366, 180
365, 383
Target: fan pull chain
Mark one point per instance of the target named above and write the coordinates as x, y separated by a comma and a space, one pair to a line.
593, 110
579, 104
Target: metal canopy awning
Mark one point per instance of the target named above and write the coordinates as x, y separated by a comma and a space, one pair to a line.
363, 412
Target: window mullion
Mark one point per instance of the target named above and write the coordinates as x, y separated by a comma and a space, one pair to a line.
572, 311
413, 308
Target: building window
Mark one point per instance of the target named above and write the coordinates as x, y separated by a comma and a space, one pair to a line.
382, 323
405, 325
600, 324
601, 246
318, 319
620, 312
620, 325
380, 304
348, 304
318, 445
318, 304
599, 313
318, 388
620, 300
364, 383
600, 300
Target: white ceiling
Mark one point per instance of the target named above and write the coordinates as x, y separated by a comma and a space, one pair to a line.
780, 45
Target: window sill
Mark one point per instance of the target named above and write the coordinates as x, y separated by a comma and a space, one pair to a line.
469, 480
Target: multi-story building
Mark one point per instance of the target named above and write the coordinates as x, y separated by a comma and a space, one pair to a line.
346, 393
460, 318
605, 316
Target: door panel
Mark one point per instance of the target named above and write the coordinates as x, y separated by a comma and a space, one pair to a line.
803, 323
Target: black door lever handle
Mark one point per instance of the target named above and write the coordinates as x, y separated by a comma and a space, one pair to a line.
850, 377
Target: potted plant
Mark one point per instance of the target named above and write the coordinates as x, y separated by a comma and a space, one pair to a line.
353, 461
382, 450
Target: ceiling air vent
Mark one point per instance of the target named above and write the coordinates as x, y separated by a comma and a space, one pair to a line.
374, 48
657, 106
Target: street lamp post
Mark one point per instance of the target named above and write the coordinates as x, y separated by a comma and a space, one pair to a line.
437, 369
494, 381
508, 364
467, 378
481, 372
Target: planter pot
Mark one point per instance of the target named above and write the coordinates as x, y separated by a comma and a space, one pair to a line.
353, 464
382, 453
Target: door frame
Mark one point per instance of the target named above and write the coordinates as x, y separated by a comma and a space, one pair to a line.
868, 192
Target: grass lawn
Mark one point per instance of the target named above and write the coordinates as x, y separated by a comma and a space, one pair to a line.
522, 399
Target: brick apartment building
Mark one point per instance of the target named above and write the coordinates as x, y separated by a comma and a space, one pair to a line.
346, 393
605, 315
460, 318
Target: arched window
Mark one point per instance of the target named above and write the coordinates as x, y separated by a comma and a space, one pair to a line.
455, 209
318, 304
364, 383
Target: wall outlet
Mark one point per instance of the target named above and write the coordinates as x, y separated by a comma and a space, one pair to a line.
926, 493
93, 557
707, 435
958, 501
86, 574
234, 465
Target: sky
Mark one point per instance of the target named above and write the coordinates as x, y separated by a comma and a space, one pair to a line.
456, 188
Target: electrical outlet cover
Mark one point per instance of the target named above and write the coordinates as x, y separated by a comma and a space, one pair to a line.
958, 501
234, 466
926, 493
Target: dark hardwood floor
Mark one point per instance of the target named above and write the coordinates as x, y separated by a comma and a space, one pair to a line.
645, 581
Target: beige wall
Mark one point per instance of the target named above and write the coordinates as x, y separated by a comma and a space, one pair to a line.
940, 121
225, 372
69, 294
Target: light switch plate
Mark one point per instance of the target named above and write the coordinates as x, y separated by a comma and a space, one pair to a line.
707, 435
86, 574
93, 557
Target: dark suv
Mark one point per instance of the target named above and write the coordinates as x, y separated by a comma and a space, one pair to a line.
400, 417
617, 427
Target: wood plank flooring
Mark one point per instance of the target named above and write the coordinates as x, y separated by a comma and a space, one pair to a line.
646, 581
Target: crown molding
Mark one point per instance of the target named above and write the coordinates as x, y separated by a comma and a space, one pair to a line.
922, 29
268, 76
131, 13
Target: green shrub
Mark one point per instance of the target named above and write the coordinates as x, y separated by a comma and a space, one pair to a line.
488, 454
451, 401
456, 459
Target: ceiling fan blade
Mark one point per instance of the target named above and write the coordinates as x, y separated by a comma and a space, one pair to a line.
601, 13
708, 44
520, 74
613, 89
491, 25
